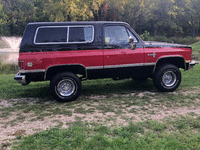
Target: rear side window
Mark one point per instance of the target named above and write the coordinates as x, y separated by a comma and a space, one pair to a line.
64, 34
80, 34
51, 34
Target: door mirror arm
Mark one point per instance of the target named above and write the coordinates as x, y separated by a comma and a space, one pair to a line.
133, 46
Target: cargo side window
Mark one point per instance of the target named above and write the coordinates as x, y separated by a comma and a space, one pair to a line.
64, 34
81, 34
47, 35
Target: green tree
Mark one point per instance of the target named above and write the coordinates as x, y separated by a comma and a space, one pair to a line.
136, 13
192, 14
19, 12
159, 17
72, 10
3, 21
39, 7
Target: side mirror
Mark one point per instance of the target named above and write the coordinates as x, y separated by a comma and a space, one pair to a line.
130, 39
133, 46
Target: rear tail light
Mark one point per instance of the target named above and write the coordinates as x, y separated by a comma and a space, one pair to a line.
21, 65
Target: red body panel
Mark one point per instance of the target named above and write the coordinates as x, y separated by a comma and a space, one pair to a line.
100, 58
162, 52
123, 56
43, 60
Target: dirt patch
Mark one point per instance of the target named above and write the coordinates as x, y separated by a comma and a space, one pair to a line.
95, 110
30, 127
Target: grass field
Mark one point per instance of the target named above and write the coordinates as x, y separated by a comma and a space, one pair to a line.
196, 49
196, 46
109, 115
124, 114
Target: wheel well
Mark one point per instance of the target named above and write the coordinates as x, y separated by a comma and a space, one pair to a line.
76, 69
177, 61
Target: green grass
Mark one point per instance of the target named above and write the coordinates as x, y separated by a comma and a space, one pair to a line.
108, 89
124, 98
196, 46
179, 40
112, 97
196, 50
8, 68
143, 135
11, 89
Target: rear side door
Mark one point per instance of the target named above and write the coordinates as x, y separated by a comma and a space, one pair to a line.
119, 58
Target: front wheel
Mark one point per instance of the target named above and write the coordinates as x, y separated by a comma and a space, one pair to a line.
65, 86
167, 78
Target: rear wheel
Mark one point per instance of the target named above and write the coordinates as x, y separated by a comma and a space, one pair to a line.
167, 78
65, 86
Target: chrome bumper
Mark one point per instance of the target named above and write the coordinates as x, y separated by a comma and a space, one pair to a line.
192, 63
20, 79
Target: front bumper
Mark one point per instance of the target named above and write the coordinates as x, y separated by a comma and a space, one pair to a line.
21, 79
192, 64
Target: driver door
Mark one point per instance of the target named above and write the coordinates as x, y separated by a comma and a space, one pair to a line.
117, 52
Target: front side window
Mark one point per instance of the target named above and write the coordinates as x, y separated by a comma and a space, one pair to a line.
64, 34
117, 37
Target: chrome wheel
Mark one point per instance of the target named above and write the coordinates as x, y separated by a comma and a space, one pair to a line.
66, 87
169, 78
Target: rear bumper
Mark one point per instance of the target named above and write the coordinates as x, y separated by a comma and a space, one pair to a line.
21, 79
25, 77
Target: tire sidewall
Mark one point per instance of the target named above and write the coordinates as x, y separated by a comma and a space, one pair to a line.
159, 75
58, 78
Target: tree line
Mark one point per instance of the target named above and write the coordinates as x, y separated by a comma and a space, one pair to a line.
158, 17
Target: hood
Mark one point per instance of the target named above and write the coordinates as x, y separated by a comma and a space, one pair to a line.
149, 44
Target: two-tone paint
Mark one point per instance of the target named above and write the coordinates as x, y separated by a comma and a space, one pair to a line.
92, 60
